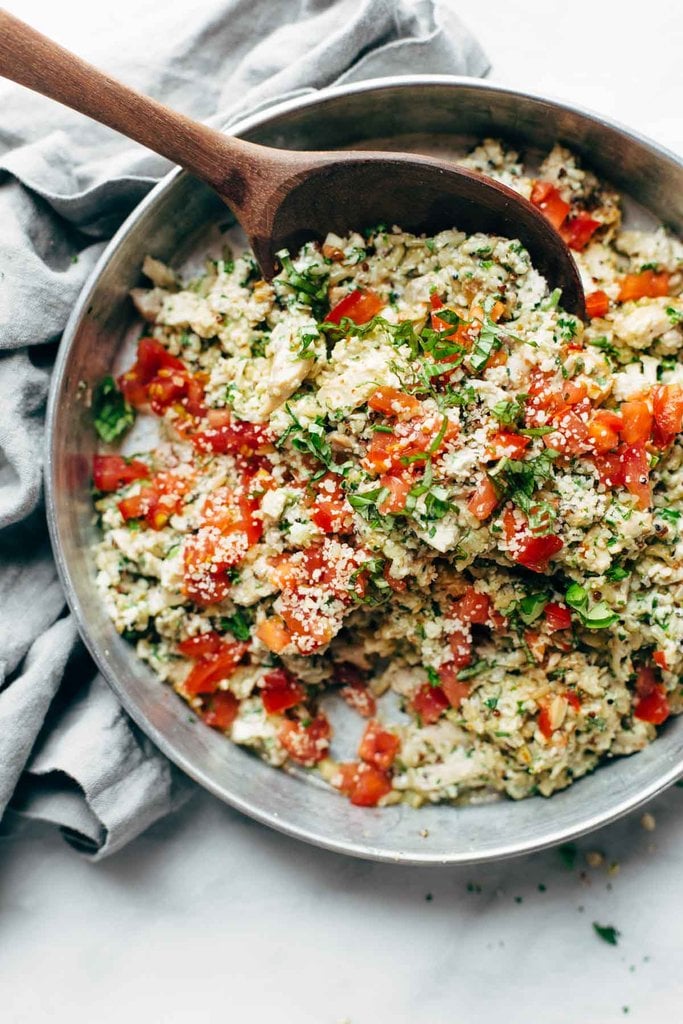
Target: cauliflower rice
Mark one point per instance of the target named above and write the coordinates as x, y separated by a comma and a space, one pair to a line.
401, 469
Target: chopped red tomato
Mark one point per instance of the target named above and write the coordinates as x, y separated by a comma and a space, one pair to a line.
637, 421
547, 198
650, 703
474, 606
533, 553
557, 616
205, 676
280, 691
667, 409
331, 511
306, 744
603, 430
456, 690
364, 784
201, 646
648, 284
232, 438
573, 699
159, 501
578, 230
544, 722
392, 402
484, 500
109, 472
636, 473
570, 435
221, 710
160, 379
659, 658
505, 444
399, 487
429, 702
354, 689
378, 746
358, 306
229, 527
597, 304
274, 634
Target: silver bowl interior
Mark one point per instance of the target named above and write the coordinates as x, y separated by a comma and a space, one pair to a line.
170, 224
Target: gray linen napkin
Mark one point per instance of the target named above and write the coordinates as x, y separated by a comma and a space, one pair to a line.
68, 753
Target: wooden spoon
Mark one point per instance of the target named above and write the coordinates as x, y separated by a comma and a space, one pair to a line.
283, 198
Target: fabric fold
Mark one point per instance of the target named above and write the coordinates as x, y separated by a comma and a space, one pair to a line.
69, 755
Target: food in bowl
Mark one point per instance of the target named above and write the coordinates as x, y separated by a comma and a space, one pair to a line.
402, 471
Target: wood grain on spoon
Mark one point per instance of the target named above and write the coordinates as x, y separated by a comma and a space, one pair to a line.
283, 197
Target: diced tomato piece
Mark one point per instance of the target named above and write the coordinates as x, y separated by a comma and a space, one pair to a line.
331, 511
152, 357
158, 502
239, 437
358, 306
274, 634
648, 284
570, 436
378, 746
603, 430
507, 445
533, 553
399, 584
636, 470
207, 559
201, 646
654, 708
354, 689
456, 690
578, 230
364, 784
646, 681
637, 421
610, 469
547, 198
429, 702
221, 710
659, 658
358, 696
392, 402
280, 691
573, 699
474, 606
597, 304
136, 506
667, 409
109, 472
399, 487
484, 500
306, 744
544, 723
460, 642
557, 616
168, 386
205, 676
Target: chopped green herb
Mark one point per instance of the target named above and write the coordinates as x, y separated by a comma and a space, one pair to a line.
112, 415
568, 854
607, 932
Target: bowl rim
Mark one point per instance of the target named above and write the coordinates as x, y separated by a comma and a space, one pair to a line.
243, 124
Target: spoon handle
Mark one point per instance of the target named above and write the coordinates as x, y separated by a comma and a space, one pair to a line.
231, 166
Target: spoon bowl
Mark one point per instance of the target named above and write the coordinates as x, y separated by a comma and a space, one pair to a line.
283, 198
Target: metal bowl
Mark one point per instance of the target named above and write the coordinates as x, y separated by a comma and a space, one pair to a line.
169, 223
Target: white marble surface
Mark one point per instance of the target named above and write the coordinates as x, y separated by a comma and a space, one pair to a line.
210, 917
